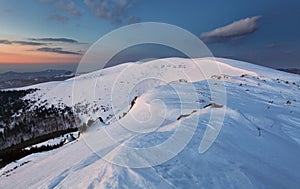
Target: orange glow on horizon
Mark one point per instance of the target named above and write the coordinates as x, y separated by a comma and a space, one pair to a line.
24, 55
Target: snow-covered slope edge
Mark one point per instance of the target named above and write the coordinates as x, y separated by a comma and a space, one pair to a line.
93, 91
258, 147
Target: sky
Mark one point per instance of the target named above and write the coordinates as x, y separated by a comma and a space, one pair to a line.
41, 34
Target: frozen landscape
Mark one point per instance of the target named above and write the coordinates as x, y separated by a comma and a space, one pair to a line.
253, 141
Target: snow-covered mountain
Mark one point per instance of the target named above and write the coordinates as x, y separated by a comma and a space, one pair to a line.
171, 123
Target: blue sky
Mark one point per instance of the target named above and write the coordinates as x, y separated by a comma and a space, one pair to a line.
265, 32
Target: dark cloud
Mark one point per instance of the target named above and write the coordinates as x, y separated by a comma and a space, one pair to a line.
64, 40
58, 18
115, 11
3, 41
234, 30
28, 43
57, 50
7, 42
32, 42
38, 41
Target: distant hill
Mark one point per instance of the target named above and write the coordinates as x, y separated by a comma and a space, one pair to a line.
291, 70
21, 79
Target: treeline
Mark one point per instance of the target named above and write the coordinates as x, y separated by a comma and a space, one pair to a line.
22, 120
19, 151
11, 102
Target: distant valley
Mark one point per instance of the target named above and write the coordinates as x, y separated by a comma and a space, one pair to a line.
20, 79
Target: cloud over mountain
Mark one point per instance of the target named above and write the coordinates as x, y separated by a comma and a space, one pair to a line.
4, 41
8, 42
38, 41
236, 29
57, 50
64, 40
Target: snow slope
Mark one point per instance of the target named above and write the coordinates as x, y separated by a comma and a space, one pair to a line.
258, 145
93, 91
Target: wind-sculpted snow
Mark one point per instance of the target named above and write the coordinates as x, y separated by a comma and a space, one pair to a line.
92, 91
258, 145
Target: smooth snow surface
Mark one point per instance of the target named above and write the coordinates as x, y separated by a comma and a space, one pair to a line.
258, 145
